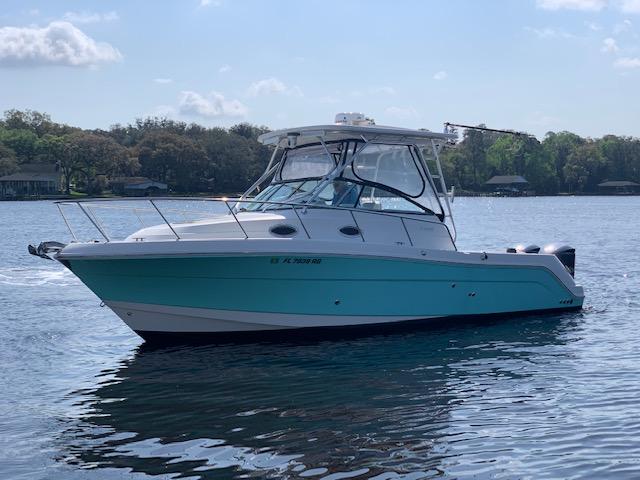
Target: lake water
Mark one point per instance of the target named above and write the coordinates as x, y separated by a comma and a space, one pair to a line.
532, 397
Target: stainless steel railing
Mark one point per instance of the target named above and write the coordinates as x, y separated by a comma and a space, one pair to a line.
231, 205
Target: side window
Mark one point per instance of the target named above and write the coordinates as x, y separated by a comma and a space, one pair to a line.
340, 193
285, 191
378, 199
390, 165
306, 162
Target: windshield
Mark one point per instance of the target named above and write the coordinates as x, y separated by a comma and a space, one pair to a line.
377, 177
391, 165
309, 162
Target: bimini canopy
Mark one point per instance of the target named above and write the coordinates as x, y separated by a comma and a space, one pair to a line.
296, 137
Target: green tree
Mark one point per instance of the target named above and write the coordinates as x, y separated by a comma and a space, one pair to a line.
23, 142
173, 159
522, 155
622, 156
584, 168
88, 155
8, 163
558, 147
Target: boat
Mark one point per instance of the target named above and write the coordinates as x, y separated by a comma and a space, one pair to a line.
349, 226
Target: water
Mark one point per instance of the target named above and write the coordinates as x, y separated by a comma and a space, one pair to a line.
535, 397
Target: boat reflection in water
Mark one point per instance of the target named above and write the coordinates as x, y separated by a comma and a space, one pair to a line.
441, 401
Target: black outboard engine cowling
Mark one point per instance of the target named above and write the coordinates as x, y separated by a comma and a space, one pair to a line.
566, 255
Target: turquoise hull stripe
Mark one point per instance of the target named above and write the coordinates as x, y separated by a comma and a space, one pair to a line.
329, 285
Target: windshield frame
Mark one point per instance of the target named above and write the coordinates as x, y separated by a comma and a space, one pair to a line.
341, 160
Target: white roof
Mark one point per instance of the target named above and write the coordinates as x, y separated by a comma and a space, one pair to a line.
328, 133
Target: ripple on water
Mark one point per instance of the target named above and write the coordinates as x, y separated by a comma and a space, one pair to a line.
536, 397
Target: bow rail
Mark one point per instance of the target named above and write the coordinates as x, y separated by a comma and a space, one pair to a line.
232, 207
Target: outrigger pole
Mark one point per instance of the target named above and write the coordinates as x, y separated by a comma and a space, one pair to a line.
485, 129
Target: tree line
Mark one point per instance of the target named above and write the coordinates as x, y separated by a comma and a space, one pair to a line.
191, 158
561, 162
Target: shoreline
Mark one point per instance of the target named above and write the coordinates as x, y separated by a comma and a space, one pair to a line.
218, 195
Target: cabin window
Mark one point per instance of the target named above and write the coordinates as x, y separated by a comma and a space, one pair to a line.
373, 198
308, 162
390, 165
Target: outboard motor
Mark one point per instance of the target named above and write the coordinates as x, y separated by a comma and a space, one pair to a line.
566, 255
523, 249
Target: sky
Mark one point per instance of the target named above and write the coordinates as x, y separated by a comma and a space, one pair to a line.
530, 65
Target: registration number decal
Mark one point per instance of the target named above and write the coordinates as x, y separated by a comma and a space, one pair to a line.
297, 260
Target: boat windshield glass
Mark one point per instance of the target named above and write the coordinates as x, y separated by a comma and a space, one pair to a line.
392, 165
382, 177
309, 162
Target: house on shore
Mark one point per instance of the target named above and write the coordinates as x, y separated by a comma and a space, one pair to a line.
507, 185
33, 180
619, 187
137, 187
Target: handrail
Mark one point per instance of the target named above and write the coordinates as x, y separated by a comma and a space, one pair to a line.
249, 200
402, 216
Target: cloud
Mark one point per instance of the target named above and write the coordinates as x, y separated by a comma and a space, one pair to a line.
441, 75
540, 119
210, 3
627, 62
548, 33
403, 113
224, 69
622, 27
593, 26
163, 80
211, 105
163, 111
584, 5
630, 6
626, 6
270, 86
382, 90
59, 43
90, 17
609, 45
267, 86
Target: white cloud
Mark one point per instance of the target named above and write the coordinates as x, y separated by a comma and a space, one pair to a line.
627, 62
609, 45
441, 75
622, 27
266, 87
585, 5
402, 113
59, 43
211, 105
163, 80
270, 86
548, 33
540, 119
224, 69
383, 90
90, 17
209, 3
630, 6
626, 6
593, 26
163, 111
